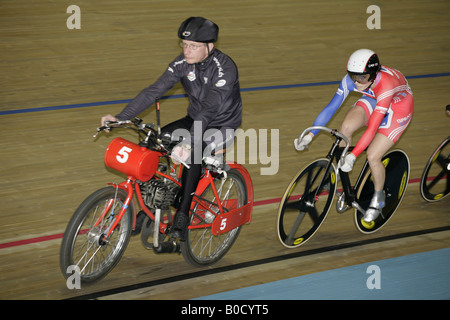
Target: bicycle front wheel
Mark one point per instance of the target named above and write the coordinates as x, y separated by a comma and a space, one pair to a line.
397, 167
84, 244
435, 180
202, 247
309, 194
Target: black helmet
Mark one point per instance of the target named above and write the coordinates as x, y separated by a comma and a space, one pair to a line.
198, 29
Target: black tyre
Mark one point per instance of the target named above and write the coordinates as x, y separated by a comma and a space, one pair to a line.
435, 180
84, 244
309, 194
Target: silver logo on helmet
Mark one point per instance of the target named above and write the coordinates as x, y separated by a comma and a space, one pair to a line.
186, 33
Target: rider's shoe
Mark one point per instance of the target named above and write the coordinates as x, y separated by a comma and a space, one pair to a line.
215, 163
179, 226
376, 204
139, 222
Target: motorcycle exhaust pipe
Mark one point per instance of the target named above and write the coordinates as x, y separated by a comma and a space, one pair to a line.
167, 247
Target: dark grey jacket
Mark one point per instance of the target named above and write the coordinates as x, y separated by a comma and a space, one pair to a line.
212, 87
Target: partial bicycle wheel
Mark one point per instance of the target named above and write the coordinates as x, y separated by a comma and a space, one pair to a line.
397, 167
309, 194
84, 244
435, 180
202, 247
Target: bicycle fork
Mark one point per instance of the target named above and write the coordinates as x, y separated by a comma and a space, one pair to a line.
348, 191
102, 238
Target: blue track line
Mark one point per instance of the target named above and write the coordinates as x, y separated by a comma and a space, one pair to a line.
177, 96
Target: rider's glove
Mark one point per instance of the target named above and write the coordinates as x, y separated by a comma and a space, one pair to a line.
301, 144
349, 160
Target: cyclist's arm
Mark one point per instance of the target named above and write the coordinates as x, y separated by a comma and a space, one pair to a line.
384, 100
328, 112
147, 97
373, 124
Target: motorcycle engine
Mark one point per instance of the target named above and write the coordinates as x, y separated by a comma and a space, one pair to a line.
159, 193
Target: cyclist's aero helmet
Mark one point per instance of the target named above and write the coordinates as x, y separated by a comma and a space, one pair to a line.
198, 29
363, 61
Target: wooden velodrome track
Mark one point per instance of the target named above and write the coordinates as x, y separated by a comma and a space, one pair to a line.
49, 162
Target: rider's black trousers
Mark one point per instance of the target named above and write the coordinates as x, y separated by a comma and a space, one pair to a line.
191, 176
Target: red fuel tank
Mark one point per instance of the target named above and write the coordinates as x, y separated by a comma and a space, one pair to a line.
131, 159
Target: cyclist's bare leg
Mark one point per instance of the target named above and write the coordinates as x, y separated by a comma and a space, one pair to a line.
354, 120
377, 148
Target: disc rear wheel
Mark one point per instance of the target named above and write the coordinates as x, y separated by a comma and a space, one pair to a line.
397, 167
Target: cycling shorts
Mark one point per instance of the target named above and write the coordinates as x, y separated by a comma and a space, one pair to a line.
397, 118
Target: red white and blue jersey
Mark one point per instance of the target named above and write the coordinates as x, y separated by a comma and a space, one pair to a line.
388, 104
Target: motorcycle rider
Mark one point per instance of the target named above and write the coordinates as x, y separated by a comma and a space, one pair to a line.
211, 82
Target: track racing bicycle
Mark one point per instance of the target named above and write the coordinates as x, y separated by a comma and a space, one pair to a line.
309, 196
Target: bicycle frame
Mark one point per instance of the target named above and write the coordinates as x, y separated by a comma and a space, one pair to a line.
230, 219
348, 190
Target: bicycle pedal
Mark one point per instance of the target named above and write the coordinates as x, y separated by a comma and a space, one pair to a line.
341, 206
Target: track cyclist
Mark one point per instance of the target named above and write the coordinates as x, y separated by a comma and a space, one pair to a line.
210, 79
385, 107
